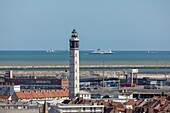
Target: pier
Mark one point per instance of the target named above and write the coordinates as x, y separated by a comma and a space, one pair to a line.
87, 67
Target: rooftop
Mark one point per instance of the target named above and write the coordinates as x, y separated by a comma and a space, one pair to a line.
130, 102
42, 94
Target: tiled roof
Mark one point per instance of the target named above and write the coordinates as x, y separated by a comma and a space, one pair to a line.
4, 97
42, 94
115, 103
109, 105
25, 95
38, 94
120, 109
130, 102
157, 103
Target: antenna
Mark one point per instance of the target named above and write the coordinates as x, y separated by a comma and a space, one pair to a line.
165, 70
33, 71
103, 73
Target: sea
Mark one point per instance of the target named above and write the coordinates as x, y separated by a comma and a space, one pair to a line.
36, 58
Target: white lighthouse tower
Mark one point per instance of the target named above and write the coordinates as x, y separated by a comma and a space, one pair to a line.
74, 65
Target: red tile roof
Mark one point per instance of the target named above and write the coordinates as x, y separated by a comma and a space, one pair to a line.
42, 94
4, 97
115, 103
130, 102
120, 109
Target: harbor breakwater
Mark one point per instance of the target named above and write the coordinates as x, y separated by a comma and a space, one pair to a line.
87, 67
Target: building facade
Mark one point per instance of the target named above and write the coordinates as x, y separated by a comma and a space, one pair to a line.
80, 109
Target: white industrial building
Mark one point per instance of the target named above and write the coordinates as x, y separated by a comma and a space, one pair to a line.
80, 108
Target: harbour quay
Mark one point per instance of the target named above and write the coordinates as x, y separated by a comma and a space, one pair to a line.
87, 67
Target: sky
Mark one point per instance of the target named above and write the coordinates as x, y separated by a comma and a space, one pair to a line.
104, 24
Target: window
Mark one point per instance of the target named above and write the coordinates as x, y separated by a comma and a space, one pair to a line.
71, 45
74, 44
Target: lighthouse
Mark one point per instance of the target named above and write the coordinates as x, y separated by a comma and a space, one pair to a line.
74, 65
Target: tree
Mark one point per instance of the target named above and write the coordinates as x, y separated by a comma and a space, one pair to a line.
106, 96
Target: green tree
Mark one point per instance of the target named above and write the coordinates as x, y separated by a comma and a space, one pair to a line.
106, 96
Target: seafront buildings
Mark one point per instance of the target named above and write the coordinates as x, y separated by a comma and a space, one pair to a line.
62, 93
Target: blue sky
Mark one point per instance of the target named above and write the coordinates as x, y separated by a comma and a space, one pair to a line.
111, 24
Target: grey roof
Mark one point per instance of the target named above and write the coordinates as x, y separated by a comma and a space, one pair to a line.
19, 110
12, 104
83, 92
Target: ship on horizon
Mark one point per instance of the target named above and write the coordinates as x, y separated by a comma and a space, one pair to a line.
51, 51
99, 51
